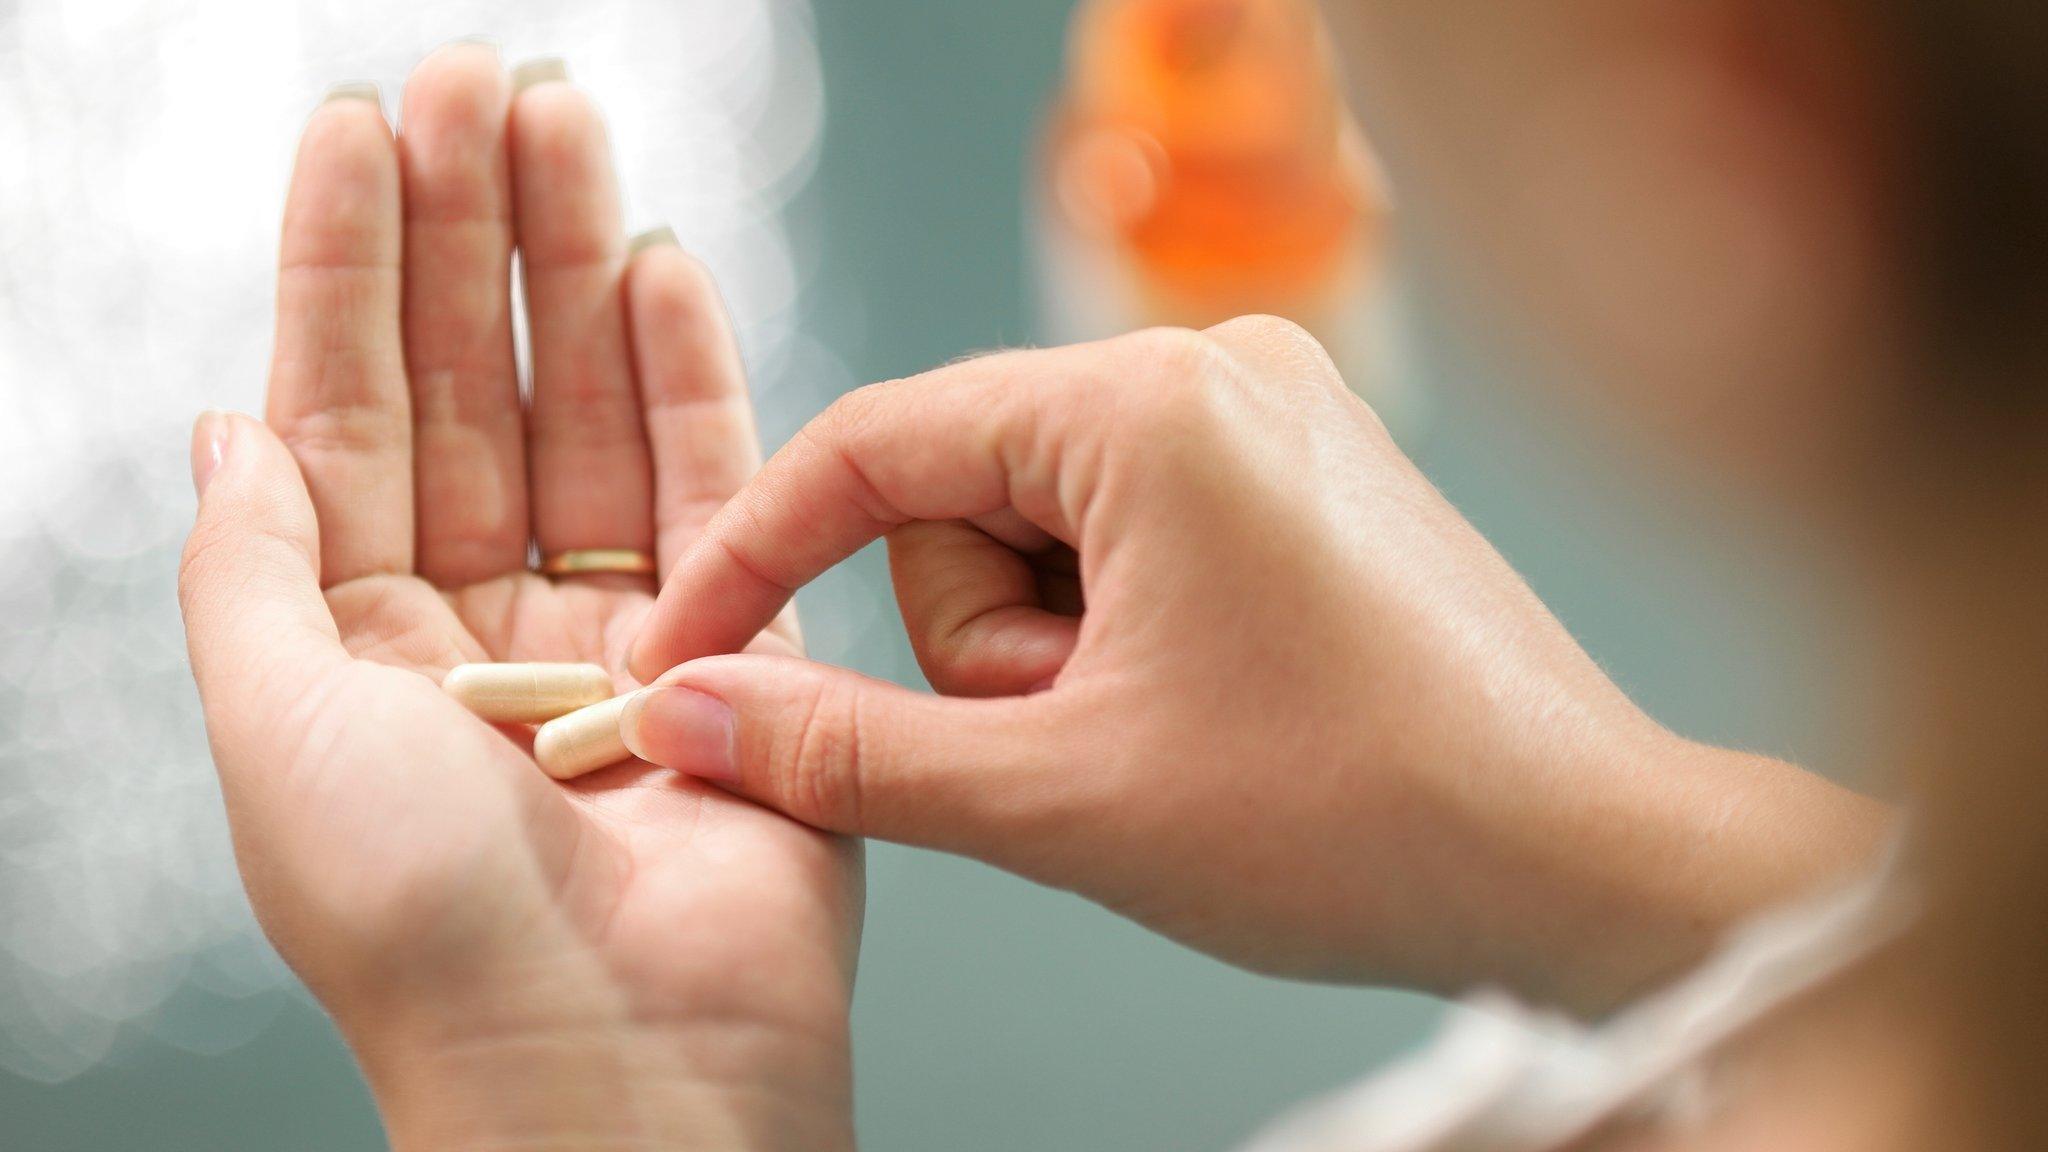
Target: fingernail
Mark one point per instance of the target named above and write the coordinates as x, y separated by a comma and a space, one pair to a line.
652, 238
542, 70
210, 435
684, 729
477, 41
354, 90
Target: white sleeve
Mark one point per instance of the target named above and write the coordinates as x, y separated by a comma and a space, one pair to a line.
1482, 1058
1501, 1077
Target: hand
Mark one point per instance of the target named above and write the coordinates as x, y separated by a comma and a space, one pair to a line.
1308, 720
634, 960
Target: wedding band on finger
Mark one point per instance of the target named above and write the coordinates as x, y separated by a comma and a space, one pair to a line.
597, 562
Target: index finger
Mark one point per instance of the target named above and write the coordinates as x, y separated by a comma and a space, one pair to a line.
964, 440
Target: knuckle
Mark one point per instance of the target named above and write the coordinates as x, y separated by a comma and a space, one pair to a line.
1286, 349
1263, 328
821, 772
347, 427
945, 652
846, 417
1178, 356
1187, 378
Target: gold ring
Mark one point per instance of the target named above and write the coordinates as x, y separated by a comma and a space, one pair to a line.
598, 562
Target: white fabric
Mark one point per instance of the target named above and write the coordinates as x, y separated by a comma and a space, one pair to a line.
1499, 1077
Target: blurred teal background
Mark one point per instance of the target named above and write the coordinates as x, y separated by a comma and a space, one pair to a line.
993, 1015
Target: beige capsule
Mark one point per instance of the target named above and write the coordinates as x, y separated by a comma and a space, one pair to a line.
583, 741
527, 693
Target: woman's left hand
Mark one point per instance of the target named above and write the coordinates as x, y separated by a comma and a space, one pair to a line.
632, 960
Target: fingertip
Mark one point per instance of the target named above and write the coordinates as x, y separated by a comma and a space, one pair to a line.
247, 438
220, 436
643, 659
682, 332
249, 482
669, 643
658, 237
849, 753
344, 189
671, 288
669, 285
1018, 656
683, 728
663, 282
556, 123
471, 47
565, 188
539, 71
209, 448
459, 92
364, 90
640, 664
356, 107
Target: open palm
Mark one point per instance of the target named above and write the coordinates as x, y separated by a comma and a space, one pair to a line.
400, 851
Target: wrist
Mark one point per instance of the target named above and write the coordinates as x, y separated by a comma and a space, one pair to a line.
581, 1074
1756, 832
1684, 843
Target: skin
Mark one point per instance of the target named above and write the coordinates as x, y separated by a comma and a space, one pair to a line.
1308, 720
1400, 769
636, 960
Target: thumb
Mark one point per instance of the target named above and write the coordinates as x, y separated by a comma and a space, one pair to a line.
249, 583
851, 754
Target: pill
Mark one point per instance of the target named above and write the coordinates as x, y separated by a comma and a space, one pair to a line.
583, 741
527, 693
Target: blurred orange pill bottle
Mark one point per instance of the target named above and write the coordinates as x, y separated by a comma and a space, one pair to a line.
1200, 163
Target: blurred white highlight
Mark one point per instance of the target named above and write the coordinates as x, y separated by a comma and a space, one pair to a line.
146, 147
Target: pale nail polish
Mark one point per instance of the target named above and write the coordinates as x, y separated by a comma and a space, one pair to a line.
541, 70
354, 90
652, 238
210, 434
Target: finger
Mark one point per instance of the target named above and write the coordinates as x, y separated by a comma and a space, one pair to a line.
590, 474
960, 442
700, 421
1020, 534
249, 583
337, 378
855, 755
973, 607
1276, 349
468, 432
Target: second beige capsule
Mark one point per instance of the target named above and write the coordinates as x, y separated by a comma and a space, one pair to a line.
527, 693
583, 741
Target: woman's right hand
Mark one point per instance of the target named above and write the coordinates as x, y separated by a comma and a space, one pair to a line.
1308, 720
